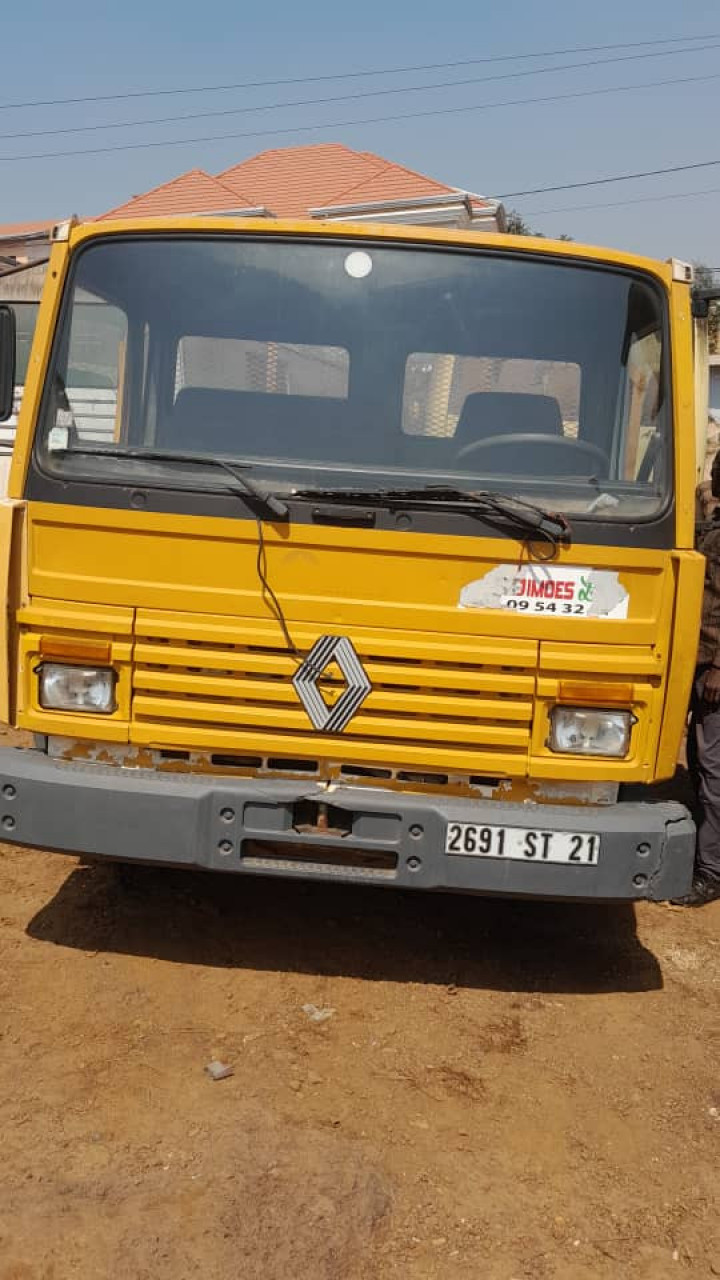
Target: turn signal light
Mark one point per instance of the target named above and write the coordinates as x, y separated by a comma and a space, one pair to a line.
75, 649
595, 695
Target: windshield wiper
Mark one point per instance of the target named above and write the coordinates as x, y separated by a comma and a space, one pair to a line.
274, 505
507, 514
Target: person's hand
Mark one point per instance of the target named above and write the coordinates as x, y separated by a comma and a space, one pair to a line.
711, 688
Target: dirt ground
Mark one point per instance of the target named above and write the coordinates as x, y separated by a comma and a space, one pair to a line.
504, 1090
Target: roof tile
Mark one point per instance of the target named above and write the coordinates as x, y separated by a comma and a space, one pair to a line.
192, 192
292, 180
391, 181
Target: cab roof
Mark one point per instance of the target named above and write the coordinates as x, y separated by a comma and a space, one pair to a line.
78, 233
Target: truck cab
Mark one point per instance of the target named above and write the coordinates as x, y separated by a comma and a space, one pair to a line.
353, 552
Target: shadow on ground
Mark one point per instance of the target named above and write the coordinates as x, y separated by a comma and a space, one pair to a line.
200, 918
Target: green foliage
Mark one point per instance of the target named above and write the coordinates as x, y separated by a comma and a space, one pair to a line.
517, 226
706, 278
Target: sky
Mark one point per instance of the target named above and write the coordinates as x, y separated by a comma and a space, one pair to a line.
79, 50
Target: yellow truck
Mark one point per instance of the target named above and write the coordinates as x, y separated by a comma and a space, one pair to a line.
352, 552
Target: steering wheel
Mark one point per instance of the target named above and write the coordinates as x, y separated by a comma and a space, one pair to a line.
521, 439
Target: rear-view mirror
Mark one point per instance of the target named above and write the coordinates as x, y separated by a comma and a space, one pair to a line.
7, 361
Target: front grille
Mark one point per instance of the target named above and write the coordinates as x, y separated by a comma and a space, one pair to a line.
439, 704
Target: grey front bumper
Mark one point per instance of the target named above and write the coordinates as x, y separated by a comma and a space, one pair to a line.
247, 825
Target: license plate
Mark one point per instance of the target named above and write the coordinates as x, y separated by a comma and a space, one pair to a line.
522, 844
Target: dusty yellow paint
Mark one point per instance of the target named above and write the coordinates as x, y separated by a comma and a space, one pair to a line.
13, 577
683, 366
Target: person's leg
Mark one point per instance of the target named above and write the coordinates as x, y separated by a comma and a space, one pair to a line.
705, 757
691, 745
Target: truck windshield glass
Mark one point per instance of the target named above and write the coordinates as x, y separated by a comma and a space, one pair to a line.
330, 363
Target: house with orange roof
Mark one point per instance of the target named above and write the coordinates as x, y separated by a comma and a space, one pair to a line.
324, 181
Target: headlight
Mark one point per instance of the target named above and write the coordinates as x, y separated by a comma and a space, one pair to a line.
587, 732
77, 688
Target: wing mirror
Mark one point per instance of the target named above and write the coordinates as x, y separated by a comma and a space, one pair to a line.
7, 361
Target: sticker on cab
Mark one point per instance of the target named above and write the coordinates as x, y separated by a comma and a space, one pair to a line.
566, 591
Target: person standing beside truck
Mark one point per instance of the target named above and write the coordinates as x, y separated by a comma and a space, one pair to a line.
704, 735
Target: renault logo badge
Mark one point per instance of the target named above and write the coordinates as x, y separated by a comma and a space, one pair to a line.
334, 718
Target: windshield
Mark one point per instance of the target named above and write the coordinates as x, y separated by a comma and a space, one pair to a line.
328, 363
